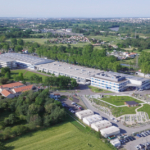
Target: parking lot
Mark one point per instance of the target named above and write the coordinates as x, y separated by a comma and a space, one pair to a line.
141, 143
72, 105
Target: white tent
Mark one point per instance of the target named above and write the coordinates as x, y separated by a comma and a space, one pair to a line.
115, 142
110, 131
91, 119
97, 126
84, 113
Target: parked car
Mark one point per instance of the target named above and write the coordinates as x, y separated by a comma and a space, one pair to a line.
138, 135
73, 103
137, 147
72, 111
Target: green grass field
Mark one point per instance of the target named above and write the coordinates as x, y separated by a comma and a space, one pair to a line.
145, 108
119, 100
146, 50
61, 137
109, 38
26, 73
97, 90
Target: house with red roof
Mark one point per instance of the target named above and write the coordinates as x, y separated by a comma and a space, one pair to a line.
10, 86
7, 94
19, 90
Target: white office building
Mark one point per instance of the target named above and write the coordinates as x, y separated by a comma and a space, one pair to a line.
92, 119
97, 126
118, 82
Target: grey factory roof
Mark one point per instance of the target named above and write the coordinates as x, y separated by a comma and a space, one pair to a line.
116, 75
4, 59
26, 58
72, 70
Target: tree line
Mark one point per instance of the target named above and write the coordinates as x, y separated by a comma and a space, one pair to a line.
139, 43
28, 112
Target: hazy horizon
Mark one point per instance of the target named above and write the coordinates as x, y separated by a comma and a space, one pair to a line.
75, 9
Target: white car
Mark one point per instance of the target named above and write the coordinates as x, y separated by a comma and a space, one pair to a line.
73, 103
72, 111
115, 120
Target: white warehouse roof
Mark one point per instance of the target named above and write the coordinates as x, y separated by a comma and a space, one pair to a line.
101, 125
5, 59
26, 58
69, 69
110, 131
84, 113
91, 119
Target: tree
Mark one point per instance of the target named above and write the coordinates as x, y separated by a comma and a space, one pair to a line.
7, 75
4, 80
21, 76
6, 47
12, 119
31, 49
18, 48
33, 109
20, 42
35, 119
14, 41
5, 70
2, 147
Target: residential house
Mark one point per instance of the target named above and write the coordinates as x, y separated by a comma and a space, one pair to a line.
7, 94
11, 85
18, 91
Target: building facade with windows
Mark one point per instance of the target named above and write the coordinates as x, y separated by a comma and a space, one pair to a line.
109, 81
118, 82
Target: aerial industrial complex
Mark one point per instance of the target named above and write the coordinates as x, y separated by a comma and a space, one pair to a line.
116, 82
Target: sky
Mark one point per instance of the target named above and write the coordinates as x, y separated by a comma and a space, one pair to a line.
75, 8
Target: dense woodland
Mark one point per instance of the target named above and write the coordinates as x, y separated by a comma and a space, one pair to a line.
144, 62
29, 111
139, 43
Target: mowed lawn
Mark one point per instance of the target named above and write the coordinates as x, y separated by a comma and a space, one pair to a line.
27, 74
61, 137
98, 90
119, 100
145, 108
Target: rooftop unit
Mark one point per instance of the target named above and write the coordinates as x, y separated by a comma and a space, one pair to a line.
97, 126
91, 119
84, 113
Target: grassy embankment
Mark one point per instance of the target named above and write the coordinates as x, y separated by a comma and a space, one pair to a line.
145, 108
97, 90
27, 74
117, 111
66, 136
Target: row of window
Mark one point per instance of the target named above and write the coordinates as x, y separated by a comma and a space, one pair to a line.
104, 84
112, 88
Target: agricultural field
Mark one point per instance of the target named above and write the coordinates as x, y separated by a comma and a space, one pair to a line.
61, 137
97, 90
118, 100
147, 50
26, 74
109, 38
